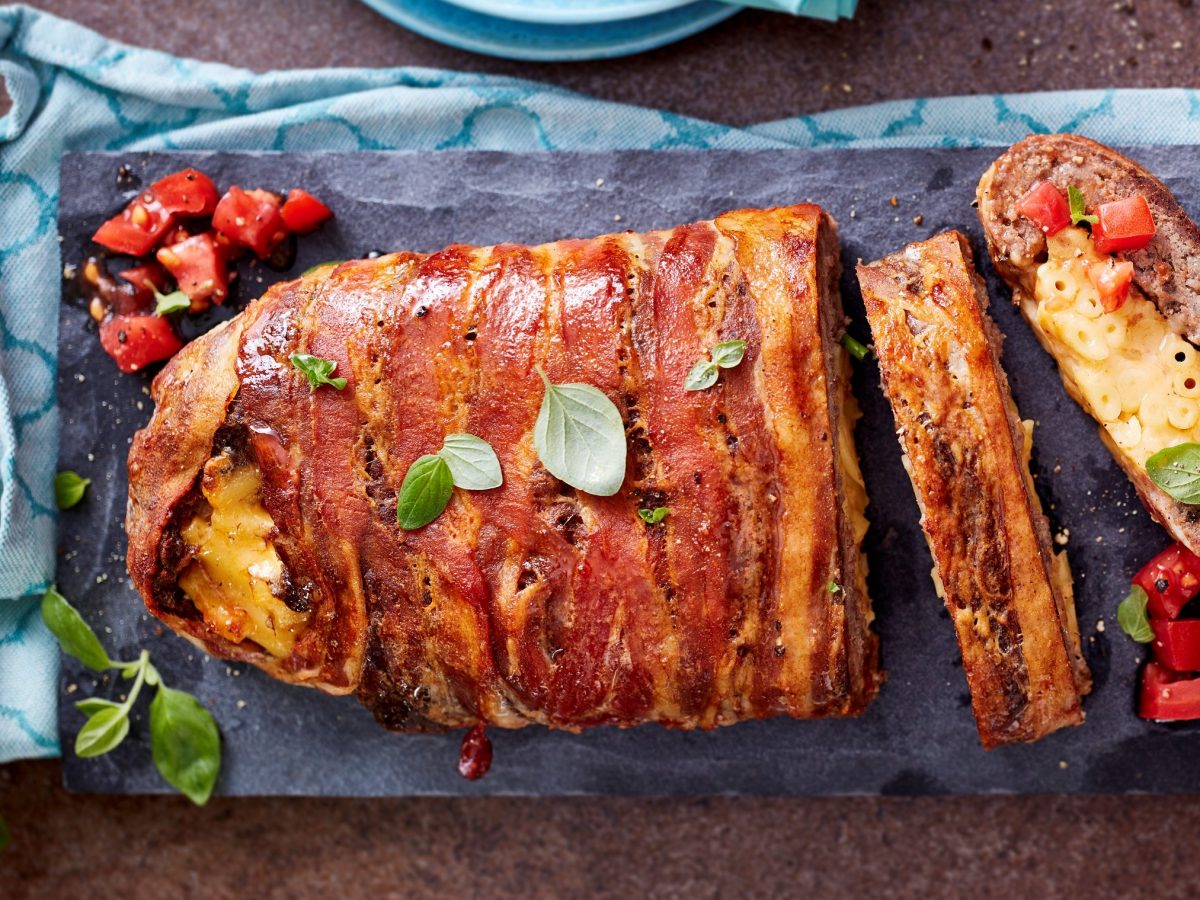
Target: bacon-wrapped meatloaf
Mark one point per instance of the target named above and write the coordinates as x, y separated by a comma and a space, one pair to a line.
263, 513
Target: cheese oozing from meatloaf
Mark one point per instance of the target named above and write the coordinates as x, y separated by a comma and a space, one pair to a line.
533, 602
236, 576
1127, 368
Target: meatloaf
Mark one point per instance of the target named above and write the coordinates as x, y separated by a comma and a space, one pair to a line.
967, 453
262, 514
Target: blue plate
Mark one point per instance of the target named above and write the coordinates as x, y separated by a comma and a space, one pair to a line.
569, 12
468, 30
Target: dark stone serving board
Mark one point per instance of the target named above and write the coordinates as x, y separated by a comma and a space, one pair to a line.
918, 737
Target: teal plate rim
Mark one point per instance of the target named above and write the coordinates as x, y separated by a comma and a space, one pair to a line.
457, 27
569, 12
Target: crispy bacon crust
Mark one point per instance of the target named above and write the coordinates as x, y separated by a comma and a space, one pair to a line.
939, 355
533, 602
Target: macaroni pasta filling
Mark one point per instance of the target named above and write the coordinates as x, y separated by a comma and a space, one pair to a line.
1136, 377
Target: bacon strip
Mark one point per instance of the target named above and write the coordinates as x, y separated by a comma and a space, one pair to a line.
535, 602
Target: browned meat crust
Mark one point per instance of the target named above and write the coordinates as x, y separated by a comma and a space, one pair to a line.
1167, 271
1012, 606
534, 602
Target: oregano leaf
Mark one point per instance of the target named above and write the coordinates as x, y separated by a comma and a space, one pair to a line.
580, 438
69, 488
1177, 471
74, 635
424, 493
102, 732
185, 743
472, 461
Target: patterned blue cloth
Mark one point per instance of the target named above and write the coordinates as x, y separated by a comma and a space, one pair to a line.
73, 90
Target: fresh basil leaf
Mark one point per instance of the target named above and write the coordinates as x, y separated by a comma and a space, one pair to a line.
74, 635
728, 354
5, 837
1131, 616
654, 516
69, 488
472, 461
857, 349
176, 301
317, 370
93, 705
424, 493
1079, 207
185, 743
103, 731
1177, 471
580, 438
703, 376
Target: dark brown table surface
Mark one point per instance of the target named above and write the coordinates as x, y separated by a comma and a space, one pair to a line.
755, 67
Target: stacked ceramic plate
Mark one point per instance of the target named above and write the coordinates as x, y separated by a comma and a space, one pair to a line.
548, 30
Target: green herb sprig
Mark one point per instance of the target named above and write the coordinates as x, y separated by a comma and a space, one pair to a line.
1132, 617
654, 516
184, 740
580, 437
176, 301
465, 461
855, 348
724, 355
317, 370
69, 488
1177, 471
1079, 207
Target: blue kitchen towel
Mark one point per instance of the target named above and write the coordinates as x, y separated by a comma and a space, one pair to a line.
72, 89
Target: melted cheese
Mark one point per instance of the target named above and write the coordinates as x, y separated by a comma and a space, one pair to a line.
1135, 376
236, 572
853, 487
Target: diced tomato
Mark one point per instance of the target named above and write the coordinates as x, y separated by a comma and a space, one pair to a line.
1112, 279
1046, 207
186, 193
136, 341
250, 219
1168, 696
1177, 644
1170, 580
138, 294
302, 212
1124, 224
198, 268
137, 228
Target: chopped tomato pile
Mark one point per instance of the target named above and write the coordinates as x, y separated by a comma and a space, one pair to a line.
1170, 685
185, 237
1117, 226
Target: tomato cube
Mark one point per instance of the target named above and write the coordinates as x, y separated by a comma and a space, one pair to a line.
136, 341
137, 228
186, 193
199, 269
1168, 696
1177, 644
302, 212
1112, 280
1170, 581
1046, 207
1124, 224
250, 219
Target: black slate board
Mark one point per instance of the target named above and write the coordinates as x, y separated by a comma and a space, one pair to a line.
917, 738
